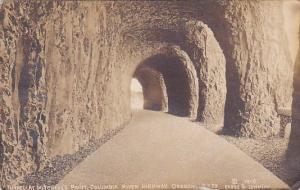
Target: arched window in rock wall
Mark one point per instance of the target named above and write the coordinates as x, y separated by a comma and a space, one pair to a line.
169, 82
154, 89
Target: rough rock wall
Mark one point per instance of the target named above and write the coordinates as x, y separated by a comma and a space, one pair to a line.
82, 80
62, 82
210, 63
22, 91
255, 47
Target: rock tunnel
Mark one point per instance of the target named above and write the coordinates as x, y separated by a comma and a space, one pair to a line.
169, 77
153, 88
66, 71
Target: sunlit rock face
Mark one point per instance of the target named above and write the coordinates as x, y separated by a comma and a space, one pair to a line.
293, 152
66, 69
291, 12
137, 97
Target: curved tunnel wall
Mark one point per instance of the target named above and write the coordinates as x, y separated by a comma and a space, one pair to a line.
76, 57
209, 61
177, 85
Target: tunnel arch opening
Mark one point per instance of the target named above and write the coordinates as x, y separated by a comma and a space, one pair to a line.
209, 61
154, 89
169, 83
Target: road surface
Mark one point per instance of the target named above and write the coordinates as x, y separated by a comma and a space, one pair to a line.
161, 151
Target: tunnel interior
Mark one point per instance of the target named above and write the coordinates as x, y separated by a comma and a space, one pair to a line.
165, 84
153, 87
78, 59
